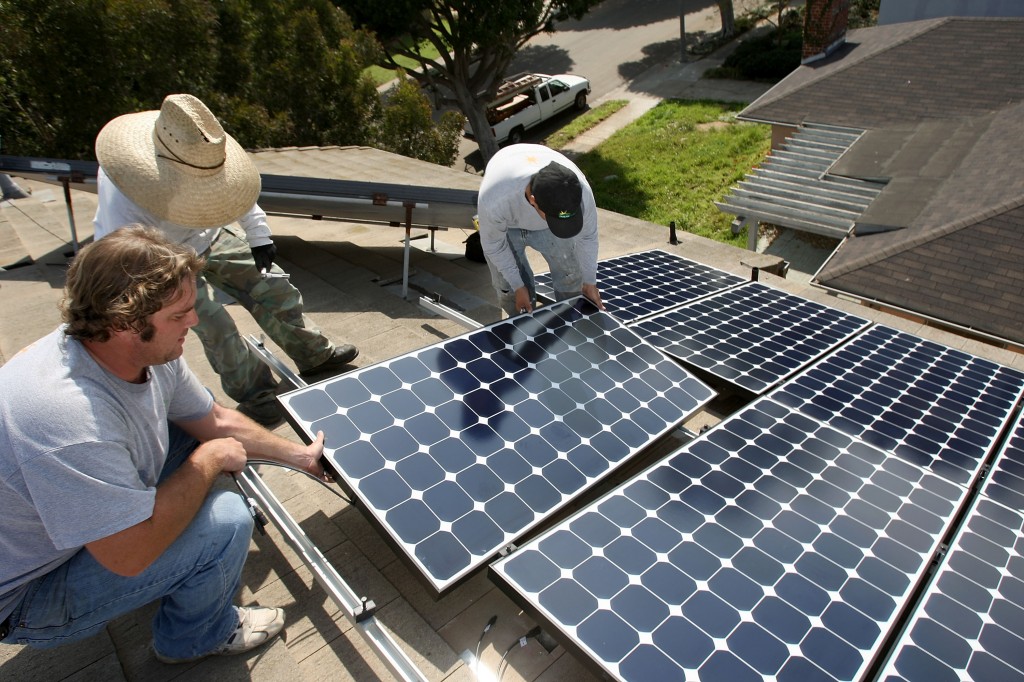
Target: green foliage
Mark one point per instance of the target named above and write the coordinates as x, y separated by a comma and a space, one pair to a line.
406, 127
583, 123
864, 13
766, 58
277, 72
674, 162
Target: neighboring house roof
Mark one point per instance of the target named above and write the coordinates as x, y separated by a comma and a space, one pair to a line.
894, 11
939, 68
941, 103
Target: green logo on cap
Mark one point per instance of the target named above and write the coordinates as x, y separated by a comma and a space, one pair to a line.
563, 215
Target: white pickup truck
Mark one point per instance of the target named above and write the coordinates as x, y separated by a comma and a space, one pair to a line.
527, 99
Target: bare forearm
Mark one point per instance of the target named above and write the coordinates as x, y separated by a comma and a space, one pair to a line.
132, 550
259, 443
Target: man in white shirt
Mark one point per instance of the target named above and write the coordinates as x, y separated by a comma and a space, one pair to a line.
534, 196
177, 170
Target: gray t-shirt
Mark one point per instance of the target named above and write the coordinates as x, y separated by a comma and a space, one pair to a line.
80, 453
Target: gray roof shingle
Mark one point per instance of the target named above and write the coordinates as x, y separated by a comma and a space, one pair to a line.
942, 105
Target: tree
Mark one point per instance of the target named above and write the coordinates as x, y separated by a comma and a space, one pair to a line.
728, 18
476, 42
405, 127
277, 73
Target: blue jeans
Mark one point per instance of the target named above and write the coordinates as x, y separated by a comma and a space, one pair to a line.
560, 254
195, 579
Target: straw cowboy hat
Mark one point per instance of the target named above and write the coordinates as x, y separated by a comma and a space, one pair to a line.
179, 164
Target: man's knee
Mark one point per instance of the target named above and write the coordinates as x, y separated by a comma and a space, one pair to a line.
226, 523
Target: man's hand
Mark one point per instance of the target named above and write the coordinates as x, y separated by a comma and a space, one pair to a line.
309, 459
228, 453
523, 301
591, 292
264, 256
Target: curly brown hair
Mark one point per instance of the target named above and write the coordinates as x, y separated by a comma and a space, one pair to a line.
116, 283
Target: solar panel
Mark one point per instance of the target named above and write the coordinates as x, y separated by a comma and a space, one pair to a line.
458, 448
970, 625
752, 336
771, 547
640, 284
927, 403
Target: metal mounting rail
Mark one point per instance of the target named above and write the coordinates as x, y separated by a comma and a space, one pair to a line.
445, 311
358, 611
282, 370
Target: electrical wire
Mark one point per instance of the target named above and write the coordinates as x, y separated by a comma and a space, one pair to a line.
521, 641
490, 624
326, 484
258, 517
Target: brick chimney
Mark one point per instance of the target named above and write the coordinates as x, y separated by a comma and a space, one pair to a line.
825, 23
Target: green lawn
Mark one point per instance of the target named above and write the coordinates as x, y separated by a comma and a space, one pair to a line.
584, 122
674, 162
382, 75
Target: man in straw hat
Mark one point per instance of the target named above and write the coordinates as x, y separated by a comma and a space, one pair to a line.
534, 196
109, 449
177, 170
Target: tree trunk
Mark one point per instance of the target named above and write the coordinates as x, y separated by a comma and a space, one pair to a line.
728, 18
476, 113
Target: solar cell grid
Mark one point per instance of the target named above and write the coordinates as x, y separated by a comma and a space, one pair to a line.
752, 336
458, 448
641, 284
770, 547
970, 625
929, 404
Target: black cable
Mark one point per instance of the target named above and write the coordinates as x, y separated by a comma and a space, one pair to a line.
490, 624
257, 514
521, 641
305, 473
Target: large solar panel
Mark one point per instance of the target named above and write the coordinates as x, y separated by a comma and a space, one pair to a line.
970, 625
456, 449
772, 547
927, 403
752, 336
641, 284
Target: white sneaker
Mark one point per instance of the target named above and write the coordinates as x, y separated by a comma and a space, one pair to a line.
257, 625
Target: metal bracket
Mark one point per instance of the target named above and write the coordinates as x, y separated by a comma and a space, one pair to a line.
444, 311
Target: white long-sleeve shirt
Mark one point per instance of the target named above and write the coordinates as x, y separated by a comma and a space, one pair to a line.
502, 205
115, 210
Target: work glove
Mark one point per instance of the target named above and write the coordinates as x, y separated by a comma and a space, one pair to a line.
264, 256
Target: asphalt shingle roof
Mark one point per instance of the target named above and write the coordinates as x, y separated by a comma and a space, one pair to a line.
942, 104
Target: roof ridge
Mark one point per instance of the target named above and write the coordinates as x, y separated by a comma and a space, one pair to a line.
924, 236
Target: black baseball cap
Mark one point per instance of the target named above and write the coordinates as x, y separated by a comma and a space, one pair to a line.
558, 193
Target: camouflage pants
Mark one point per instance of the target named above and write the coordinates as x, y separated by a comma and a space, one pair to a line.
274, 303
